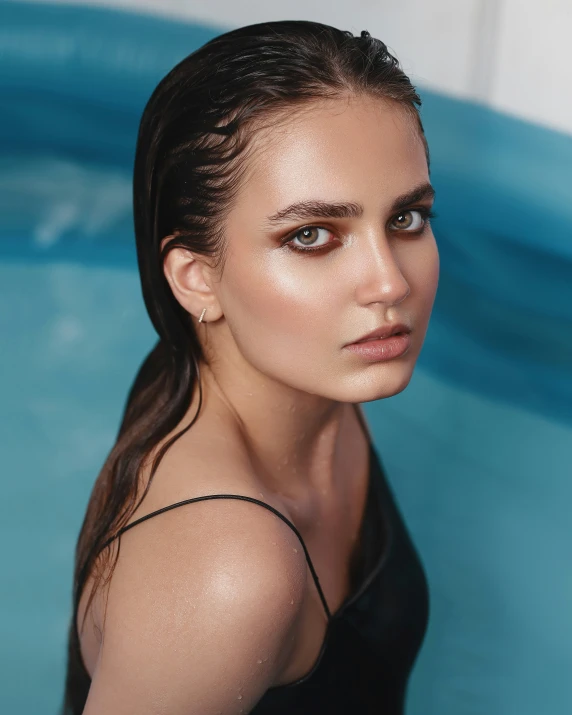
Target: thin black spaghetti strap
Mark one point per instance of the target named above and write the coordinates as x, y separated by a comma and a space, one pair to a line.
244, 498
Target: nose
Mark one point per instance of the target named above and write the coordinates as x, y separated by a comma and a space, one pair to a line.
380, 278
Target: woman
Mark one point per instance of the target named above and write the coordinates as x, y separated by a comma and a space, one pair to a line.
282, 207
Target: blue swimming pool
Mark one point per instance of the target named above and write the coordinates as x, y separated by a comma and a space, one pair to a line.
478, 448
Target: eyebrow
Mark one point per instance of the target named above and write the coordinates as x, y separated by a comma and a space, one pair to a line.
303, 210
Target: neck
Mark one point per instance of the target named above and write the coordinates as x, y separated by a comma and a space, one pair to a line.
292, 437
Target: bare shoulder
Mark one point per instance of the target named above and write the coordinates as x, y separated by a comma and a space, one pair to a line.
203, 605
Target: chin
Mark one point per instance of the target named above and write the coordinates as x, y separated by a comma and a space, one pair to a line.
380, 384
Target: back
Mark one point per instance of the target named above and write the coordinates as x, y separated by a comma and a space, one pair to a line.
223, 581
371, 640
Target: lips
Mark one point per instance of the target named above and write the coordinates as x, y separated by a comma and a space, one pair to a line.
385, 331
368, 340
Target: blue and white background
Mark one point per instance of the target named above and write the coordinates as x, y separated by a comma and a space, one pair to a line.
478, 448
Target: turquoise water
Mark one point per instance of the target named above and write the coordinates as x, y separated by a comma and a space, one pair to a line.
478, 447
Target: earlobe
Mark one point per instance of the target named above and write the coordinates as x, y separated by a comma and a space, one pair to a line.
188, 278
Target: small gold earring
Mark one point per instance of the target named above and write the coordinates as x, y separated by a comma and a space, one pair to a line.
202, 315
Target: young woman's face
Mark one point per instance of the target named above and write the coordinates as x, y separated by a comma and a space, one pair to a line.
290, 312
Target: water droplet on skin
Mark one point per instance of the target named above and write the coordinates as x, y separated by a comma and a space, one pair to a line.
239, 697
295, 551
259, 661
292, 602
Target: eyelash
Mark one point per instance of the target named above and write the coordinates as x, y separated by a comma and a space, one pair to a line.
426, 215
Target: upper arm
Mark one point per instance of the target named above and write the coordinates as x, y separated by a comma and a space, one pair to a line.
201, 612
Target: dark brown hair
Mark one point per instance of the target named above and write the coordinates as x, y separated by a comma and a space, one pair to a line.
193, 137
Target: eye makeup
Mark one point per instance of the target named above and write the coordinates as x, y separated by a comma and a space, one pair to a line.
425, 213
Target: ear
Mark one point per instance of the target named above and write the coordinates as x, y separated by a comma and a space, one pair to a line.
191, 280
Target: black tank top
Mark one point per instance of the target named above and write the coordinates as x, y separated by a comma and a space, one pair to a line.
372, 640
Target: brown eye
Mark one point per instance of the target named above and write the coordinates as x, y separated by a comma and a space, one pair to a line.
307, 238
405, 220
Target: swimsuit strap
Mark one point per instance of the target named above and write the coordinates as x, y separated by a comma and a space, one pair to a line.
244, 498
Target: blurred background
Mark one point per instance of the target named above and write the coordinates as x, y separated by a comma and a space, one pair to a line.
478, 448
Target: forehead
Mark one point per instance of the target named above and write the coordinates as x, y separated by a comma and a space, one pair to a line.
336, 149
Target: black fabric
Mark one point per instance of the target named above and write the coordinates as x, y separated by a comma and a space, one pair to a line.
371, 641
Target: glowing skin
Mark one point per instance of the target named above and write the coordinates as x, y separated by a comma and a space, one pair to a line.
277, 320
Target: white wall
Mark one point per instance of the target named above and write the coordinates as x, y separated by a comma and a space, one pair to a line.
514, 55
533, 71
